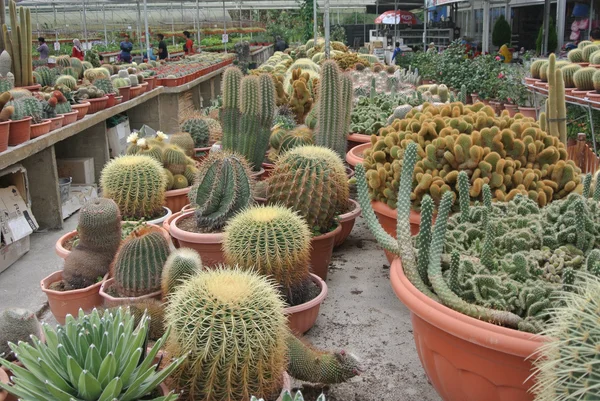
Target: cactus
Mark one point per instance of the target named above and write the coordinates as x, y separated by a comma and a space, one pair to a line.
137, 184
6, 83
120, 83
134, 80
181, 265
174, 159
587, 52
138, 264
63, 61
274, 241
17, 325
99, 230
568, 73
62, 108
230, 113
222, 188
77, 66
301, 99
584, 43
556, 109
312, 181
595, 58
70, 71
583, 78
104, 84
180, 182
443, 93
231, 354
315, 366
184, 141
331, 122
155, 310
190, 174
27, 107
596, 81
283, 140
199, 130
534, 69
47, 75
20, 54
67, 80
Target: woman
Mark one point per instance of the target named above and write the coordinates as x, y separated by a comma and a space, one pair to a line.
126, 47
188, 47
77, 50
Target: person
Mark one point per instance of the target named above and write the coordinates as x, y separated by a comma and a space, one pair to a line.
126, 48
188, 47
43, 49
163, 53
505, 54
595, 35
397, 51
152, 56
77, 50
280, 44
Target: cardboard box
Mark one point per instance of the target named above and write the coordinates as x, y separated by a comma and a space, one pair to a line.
16, 175
117, 138
80, 194
80, 169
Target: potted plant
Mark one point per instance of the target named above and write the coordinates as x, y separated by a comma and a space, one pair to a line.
27, 110
105, 85
200, 132
568, 72
201, 229
526, 103
583, 80
81, 363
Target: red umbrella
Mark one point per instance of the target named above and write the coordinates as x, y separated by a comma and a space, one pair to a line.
397, 17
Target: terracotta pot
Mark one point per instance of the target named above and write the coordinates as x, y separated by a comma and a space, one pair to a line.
110, 301
583, 64
541, 87
201, 153
111, 101
512, 109
571, 142
569, 93
347, 221
82, 109
531, 81
466, 358
19, 131
207, 245
268, 167
388, 219
151, 83
69, 118
257, 175
169, 82
175, 199
485, 101
321, 250
135, 91
97, 105
4, 130
580, 95
475, 97
355, 140
63, 303
32, 88
595, 65
118, 100
355, 155
40, 129
125, 91
56, 122
594, 96
528, 112
302, 318
144, 86
3, 379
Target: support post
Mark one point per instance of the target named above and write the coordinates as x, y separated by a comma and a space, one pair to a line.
486, 27
561, 10
315, 21
85, 28
147, 34
104, 23
546, 26
224, 26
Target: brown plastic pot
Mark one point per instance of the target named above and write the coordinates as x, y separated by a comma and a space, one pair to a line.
32, 88
135, 91
40, 129
593, 96
355, 140
466, 358
321, 251
347, 221
118, 100
302, 318
207, 245
258, 175
169, 82
528, 112
388, 219
69, 118
175, 199
97, 104
531, 81
144, 86
111, 101
82, 109
4, 132
63, 303
110, 301
151, 82
355, 155
475, 97
580, 95
201, 153
19, 131
56, 122
125, 92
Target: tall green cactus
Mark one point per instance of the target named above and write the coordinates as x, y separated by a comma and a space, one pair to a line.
347, 97
18, 44
230, 113
222, 188
556, 109
138, 265
331, 117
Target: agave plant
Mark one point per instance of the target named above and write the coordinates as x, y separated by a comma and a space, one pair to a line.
92, 358
288, 397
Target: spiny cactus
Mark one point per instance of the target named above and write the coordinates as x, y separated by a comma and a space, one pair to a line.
583, 78
155, 310
47, 76
190, 174
137, 184
588, 51
26, 107
222, 188
20, 54
99, 230
104, 84
230, 113
180, 182
185, 141
534, 69
231, 325
312, 181
138, 264
199, 130
17, 325
331, 120
276, 242
568, 73
182, 264
283, 139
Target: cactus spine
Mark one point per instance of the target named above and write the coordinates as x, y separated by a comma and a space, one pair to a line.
583, 78
331, 117
181, 264
184, 141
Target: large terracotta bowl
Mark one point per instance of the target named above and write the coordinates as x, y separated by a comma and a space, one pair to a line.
388, 219
355, 155
175, 199
302, 318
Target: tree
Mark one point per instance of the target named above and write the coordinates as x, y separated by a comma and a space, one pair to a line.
306, 15
501, 34
552, 38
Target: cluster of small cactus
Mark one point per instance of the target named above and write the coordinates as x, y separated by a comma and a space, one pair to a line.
513, 155
45, 76
301, 98
20, 33
17, 325
199, 130
26, 107
283, 139
104, 84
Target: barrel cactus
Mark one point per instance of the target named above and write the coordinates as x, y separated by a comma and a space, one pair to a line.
568, 73
199, 130
181, 264
104, 84
184, 141
174, 159
534, 69
283, 139
588, 51
583, 78
26, 107
137, 184
575, 56
596, 81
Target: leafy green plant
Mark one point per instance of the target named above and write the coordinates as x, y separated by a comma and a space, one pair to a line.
552, 38
94, 357
501, 34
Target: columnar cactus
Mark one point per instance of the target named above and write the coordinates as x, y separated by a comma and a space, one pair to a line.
231, 326
181, 264
20, 54
199, 130
137, 184
331, 117
230, 114
557, 109
347, 97
139, 262
223, 187
17, 325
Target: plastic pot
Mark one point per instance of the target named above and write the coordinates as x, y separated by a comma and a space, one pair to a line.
110, 301
207, 245
82, 109
302, 318
97, 105
512, 109
40, 129
355, 140
347, 221
201, 153
135, 91
355, 155
56, 122
388, 219
4, 132
175, 199
69, 118
169, 82
19, 131
125, 91
321, 251
111, 100
528, 112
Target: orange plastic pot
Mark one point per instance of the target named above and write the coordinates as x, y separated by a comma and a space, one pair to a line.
135, 91
32, 88
40, 129
4, 132
302, 318
201, 153
3, 379
321, 251
593, 96
19, 131
580, 95
531, 81
355, 140
175, 199
144, 86
125, 92
111, 101
69, 118
82, 109
169, 82
347, 221
207, 245
388, 219
56, 122
97, 105
63, 303
355, 155
151, 83
466, 358
110, 301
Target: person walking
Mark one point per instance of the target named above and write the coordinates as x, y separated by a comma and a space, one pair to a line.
397, 51
43, 49
280, 44
77, 50
163, 53
126, 48
188, 47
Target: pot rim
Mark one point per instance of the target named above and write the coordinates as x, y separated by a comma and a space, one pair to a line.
186, 236
384, 209
469, 329
58, 117
352, 156
316, 301
329, 234
107, 282
46, 121
356, 137
98, 99
81, 105
21, 120
351, 215
70, 113
57, 276
177, 192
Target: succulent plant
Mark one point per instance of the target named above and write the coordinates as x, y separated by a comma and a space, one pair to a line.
583, 78
181, 264
26, 107
93, 357
17, 325
137, 184
556, 110
104, 84
534, 69
47, 75
174, 159
584, 43
199, 130
588, 51
20, 55
283, 139
301, 97
231, 325
330, 131
155, 310
568, 73
184, 141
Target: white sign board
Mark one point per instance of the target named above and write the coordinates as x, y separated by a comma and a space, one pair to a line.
57, 46
225, 38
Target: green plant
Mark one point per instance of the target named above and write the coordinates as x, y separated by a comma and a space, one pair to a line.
17, 325
91, 56
575, 56
568, 73
283, 139
174, 159
312, 181
104, 84
231, 325
67, 80
199, 130
583, 78
552, 38
534, 68
274, 241
588, 51
556, 108
26, 107
184, 141
19, 33
138, 264
77, 66
501, 33
93, 357
288, 397
137, 184
223, 187
584, 43
6, 83
181, 264
47, 75
331, 125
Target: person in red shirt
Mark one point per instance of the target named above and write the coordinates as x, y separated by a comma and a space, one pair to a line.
77, 50
188, 47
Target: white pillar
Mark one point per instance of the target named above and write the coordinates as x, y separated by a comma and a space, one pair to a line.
315, 20
146, 33
472, 20
327, 26
85, 27
198, 18
104, 22
224, 25
546, 27
485, 40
